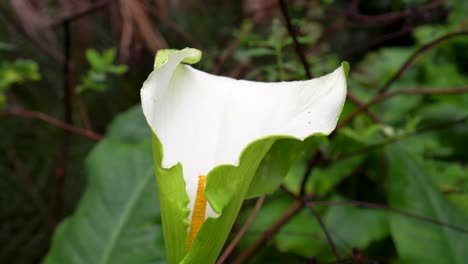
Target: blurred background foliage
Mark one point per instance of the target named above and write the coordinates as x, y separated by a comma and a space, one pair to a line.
389, 186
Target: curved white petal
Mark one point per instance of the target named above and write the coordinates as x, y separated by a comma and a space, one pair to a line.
203, 120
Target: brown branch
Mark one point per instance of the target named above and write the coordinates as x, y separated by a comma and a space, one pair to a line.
166, 21
354, 99
381, 39
393, 210
45, 47
292, 33
310, 165
30, 187
414, 91
423, 130
289, 192
325, 231
242, 231
327, 34
391, 17
231, 47
52, 121
416, 54
80, 13
295, 208
60, 170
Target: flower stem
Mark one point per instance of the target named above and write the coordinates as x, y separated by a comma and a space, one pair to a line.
199, 209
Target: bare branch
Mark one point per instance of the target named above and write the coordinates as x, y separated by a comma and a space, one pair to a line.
52, 121
242, 231
292, 33
325, 231
416, 54
410, 91
388, 141
268, 234
393, 210
354, 99
390, 17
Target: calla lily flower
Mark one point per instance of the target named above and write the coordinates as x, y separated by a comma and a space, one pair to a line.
210, 134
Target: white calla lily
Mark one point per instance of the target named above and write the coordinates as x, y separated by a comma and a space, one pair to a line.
204, 121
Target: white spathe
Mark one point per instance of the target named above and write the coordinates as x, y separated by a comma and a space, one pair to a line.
203, 120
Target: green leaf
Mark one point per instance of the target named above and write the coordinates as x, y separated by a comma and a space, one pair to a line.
2, 101
173, 201
323, 179
120, 69
108, 56
356, 226
117, 219
348, 226
18, 72
412, 190
301, 235
94, 58
275, 166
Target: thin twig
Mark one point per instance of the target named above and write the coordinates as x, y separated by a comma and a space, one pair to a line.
30, 187
354, 99
295, 208
292, 33
364, 47
416, 54
289, 192
53, 121
242, 231
391, 17
394, 210
45, 47
388, 141
60, 169
411, 91
327, 34
80, 13
310, 165
325, 231
230, 48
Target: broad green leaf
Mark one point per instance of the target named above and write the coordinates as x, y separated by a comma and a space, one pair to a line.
452, 179
348, 227
117, 219
301, 235
352, 226
411, 189
454, 138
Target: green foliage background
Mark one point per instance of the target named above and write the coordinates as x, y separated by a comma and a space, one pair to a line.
392, 191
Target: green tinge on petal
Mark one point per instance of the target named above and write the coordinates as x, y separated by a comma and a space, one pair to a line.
346, 68
226, 189
163, 54
173, 201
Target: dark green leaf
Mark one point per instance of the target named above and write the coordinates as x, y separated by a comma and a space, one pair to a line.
117, 220
411, 189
